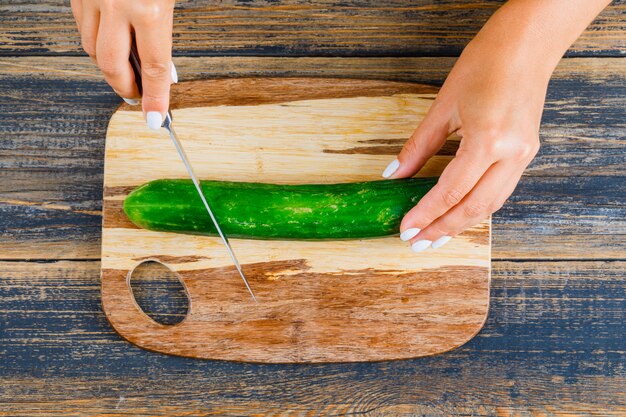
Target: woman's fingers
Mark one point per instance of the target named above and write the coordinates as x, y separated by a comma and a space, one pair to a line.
89, 24
112, 51
77, 11
154, 43
106, 29
496, 185
457, 180
475, 184
427, 139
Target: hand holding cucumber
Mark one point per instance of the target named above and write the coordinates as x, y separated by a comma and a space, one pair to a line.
493, 98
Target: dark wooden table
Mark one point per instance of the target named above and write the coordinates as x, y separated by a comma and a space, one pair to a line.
554, 343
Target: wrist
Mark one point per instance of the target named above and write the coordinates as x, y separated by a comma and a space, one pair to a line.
514, 38
535, 33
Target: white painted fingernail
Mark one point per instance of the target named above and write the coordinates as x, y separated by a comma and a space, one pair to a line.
441, 241
131, 101
154, 120
409, 234
391, 168
420, 245
174, 73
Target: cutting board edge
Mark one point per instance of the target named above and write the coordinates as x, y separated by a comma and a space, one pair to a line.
265, 90
139, 344
478, 326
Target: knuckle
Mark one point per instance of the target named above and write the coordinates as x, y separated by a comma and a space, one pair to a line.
524, 150
111, 5
145, 18
109, 67
475, 209
155, 71
425, 221
493, 129
424, 211
124, 91
451, 197
148, 12
423, 218
89, 45
490, 141
491, 146
158, 99
411, 148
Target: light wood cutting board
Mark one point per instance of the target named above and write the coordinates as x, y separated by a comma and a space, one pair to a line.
332, 301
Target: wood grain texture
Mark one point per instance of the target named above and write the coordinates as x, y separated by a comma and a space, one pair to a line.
330, 301
569, 198
552, 345
297, 28
581, 130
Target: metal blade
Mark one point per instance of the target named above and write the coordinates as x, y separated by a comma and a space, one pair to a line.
181, 151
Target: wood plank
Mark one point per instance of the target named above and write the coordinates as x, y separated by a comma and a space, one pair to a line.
553, 345
50, 213
51, 163
579, 144
562, 217
298, 28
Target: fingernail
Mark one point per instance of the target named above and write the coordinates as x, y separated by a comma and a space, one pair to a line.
409, 234
441, 241
391, 168
154, 120
131, 101
420, 245
174, 73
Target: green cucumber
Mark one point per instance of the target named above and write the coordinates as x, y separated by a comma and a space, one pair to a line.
273, 211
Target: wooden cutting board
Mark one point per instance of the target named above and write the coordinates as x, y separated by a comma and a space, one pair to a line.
332, 301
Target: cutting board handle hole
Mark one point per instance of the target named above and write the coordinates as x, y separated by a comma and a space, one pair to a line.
159, 292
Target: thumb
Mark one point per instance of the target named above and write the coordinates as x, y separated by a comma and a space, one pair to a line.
425, 141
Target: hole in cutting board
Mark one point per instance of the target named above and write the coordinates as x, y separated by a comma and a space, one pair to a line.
159, 293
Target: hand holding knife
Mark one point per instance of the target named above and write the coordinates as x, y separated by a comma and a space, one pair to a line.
167, 124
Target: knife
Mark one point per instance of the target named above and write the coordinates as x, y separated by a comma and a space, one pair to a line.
167, 124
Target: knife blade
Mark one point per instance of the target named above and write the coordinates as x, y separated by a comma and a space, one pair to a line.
167, 124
